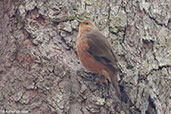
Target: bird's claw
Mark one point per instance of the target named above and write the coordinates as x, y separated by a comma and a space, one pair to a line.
88, 76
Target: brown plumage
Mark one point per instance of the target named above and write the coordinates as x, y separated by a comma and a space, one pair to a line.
95, 53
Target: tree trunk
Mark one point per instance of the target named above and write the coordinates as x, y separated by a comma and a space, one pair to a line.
40, 72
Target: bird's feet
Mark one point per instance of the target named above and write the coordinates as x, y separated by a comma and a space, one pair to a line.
106, 90
100, 80
88, 76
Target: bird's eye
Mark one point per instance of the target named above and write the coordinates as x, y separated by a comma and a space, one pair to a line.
86, 23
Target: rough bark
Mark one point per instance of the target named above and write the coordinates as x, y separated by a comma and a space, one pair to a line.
39, 65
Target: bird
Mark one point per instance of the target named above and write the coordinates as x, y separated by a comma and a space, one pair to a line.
96, 54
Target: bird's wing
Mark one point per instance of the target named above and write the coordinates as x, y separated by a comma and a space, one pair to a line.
100, 48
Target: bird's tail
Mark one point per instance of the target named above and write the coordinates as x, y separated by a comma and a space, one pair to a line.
113, 75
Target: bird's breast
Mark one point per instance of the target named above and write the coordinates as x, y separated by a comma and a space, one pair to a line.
87, 60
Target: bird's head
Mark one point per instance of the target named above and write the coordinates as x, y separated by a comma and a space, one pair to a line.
86, 26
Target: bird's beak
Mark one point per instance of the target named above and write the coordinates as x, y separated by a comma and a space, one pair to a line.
79, 21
